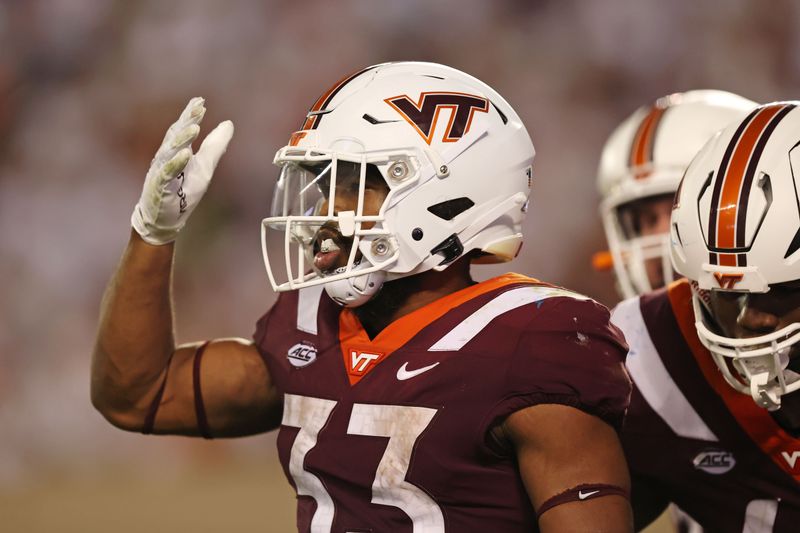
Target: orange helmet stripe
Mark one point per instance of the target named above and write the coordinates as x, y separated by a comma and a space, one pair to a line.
727, 260
727, 208
312, 121
644, 141
734, 178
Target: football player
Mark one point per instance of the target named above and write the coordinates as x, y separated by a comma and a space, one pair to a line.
408, 397
714, 422
640, 168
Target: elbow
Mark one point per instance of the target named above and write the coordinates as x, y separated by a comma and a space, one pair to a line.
117, 412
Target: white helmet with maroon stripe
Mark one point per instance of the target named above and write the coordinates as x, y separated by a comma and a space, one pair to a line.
454, 161
645, 157
736, 234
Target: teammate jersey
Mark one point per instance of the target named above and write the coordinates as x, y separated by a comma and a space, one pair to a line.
391, 434
691, 437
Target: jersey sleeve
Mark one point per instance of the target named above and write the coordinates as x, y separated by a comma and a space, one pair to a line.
569, 354
262, 329
272, 328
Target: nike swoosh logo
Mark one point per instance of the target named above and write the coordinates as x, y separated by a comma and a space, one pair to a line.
583, 495
403, 373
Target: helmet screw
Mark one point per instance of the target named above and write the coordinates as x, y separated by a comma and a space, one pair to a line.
443, 169
398, 170
416, 234
380, 247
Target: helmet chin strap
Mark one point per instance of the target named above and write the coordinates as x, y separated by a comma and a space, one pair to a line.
357, 290
762, 394
765, 392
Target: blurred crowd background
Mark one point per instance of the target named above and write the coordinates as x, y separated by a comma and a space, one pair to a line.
87, 88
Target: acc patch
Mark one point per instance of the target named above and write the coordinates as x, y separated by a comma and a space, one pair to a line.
302, 354
714, 461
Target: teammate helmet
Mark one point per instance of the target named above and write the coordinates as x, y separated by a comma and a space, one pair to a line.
456, 161
736, 228
645, 157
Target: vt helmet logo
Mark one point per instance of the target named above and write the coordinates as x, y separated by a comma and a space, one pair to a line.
727, 281
424, 114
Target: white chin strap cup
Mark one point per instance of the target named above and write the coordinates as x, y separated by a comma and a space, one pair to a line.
357, 290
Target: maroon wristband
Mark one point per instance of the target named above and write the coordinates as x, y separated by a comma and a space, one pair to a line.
199, 406
580, 493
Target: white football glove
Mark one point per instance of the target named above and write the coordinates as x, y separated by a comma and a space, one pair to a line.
177, 178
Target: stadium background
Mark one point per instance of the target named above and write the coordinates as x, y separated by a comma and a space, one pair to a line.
87, 88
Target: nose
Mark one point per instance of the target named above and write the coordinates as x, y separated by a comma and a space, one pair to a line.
756, 322
344, 202
662, 222
341, 203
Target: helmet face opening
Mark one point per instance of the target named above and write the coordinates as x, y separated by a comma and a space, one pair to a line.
754, 339
325, 206
639, 241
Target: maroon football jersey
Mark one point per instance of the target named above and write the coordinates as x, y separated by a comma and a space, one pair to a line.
390, 434
690, 437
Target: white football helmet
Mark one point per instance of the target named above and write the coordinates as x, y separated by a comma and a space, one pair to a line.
736, 229
456, 160
645, 157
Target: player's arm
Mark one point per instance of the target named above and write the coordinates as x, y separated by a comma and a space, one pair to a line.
142, 381
140, 377
573, 468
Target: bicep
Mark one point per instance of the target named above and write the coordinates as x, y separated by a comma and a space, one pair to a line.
228, 382
559, 448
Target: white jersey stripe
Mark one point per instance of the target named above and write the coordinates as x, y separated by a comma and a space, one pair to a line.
477, 321
652, 378
307, 307
760, 516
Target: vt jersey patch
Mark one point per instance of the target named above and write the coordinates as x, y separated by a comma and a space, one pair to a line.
360, 361
791, 458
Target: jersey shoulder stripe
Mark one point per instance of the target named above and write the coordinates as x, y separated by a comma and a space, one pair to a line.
308, 307
652, 377
504, 302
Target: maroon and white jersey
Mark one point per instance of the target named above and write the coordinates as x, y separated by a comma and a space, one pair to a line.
690, 437
391, 433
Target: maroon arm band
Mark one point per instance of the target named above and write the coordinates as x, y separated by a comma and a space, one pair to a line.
199, 406
150, 419
581, 493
